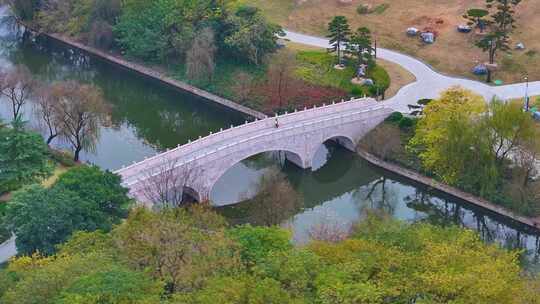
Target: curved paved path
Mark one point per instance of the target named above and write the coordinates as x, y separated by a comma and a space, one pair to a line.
429, 83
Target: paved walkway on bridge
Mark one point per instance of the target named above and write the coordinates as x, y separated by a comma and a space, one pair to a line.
429, 83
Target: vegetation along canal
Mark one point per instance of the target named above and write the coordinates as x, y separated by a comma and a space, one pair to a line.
148, 117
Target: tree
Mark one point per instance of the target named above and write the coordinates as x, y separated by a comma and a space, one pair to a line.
82, 109
386, 262
142, 29
157, 30
46, 111
258, 243
452, 144
24, 9
200, 57
115, 285
23, 158
239, 289
249, 37
165, 185
182, 247
102, 188
244, 86
360, 46
339, 34
280, 78
17, 85
476, 18
384, 141
510, 127
43, 218
502, 24
90, 274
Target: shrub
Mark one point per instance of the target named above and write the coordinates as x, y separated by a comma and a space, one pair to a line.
395, 117
406, 123
362, 9
381, 8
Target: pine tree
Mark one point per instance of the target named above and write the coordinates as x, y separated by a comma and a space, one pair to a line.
360, 46
339, 34
502, 24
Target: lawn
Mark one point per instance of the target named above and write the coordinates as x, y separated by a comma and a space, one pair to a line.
317, 67
453, 52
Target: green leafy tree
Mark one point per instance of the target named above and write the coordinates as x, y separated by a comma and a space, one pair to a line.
141, 29
88, 276
23, 158
391, 262
182, 247
296, 270
511, 127
249, 37
453, 145
339, 33
242, 289
116, 285
24, 9
257, 243
43, 218
159, 29
102, 188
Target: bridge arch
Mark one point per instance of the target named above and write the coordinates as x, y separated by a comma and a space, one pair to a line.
295, 157
191, 193
344, 141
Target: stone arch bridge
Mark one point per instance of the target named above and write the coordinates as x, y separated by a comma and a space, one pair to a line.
299, 134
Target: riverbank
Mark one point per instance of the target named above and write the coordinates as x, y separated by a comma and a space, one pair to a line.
152, 73
429, 182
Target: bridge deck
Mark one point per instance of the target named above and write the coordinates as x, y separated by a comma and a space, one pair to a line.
250, 133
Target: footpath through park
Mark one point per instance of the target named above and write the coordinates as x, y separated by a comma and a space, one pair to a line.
429, 83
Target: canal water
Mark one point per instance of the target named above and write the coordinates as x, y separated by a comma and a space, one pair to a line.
148, 117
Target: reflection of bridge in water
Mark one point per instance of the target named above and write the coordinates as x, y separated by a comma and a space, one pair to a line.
336, 178
298, 134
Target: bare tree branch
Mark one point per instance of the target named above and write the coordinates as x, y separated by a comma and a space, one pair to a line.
166, 185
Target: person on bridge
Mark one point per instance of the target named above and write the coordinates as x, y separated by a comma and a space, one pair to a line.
277, 123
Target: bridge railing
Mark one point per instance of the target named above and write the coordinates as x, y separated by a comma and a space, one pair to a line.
272, 134
256, 126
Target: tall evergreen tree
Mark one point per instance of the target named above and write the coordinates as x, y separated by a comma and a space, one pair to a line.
361, 46
339, 34
502, 24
